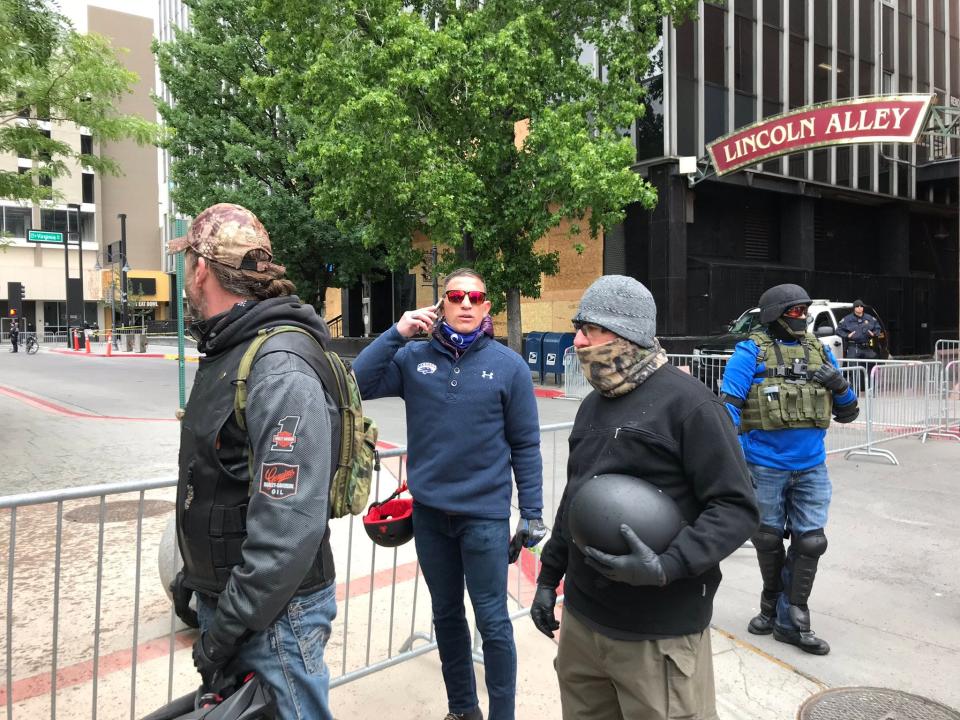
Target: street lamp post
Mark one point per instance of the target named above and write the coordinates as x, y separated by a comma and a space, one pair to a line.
76, 206
123, 268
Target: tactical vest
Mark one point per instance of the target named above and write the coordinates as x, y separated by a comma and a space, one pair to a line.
786, 397
215, 482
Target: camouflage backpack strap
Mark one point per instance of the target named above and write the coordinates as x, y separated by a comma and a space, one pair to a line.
246, 363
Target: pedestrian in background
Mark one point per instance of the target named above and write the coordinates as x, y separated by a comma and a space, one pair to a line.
471, 421
635, 637
253, 497
858, 330
780, 387
14, 334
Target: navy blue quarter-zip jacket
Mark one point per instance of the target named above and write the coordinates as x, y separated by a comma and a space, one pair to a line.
470, 421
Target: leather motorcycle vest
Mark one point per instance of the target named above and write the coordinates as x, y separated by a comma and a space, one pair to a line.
787, 397
215, 483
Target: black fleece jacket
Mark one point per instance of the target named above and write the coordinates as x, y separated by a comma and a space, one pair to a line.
674, 433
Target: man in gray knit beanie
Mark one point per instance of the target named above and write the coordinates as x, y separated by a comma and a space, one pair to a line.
623, 306
632, 620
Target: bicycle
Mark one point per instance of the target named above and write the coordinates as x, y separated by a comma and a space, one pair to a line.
31, 345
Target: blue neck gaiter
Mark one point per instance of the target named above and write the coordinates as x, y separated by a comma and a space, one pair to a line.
461, 341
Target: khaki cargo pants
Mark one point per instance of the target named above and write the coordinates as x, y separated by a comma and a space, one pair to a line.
604, 679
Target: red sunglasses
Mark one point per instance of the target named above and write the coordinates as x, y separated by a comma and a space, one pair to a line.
797, 311
457, 296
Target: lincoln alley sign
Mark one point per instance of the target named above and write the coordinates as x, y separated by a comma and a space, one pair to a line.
879, 119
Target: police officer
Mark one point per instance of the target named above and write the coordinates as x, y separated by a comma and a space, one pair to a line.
781, 387
14, 334
858, 329
252, 498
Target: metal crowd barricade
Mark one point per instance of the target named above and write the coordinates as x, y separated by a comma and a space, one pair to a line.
84, 605
575, 385
950, 399
946, 351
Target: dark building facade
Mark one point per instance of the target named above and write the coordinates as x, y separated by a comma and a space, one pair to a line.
872, 221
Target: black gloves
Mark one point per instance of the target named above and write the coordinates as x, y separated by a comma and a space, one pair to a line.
541, 611
181, 601
846, 413
640, 567
831, 378
528, 534
210, 659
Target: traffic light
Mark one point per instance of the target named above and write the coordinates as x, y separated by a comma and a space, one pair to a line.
15, 292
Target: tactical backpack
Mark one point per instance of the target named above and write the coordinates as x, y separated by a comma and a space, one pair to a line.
350, 482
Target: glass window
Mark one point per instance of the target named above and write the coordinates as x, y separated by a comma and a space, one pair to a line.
922, 10
884, 172
843, 165
844, 73
55, 220
16, 220
923, 55
798, 18
886, 31
821, 22
88, 187
687, 117
866, 31
714, 44
822, 70
686, 51
955, 64
744, 62
905, 59
86, 144
938, 15
821, 165
797, 65
866, 78
939, 65
797, 165
744, 8
864, 167
771, 13
715, 112
771, 65
845, 25
744, 109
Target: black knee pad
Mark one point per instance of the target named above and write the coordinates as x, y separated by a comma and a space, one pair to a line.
767, 539
811, 544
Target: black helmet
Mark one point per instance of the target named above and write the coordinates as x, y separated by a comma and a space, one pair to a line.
606, 502
251, 700
775, 301
390, 523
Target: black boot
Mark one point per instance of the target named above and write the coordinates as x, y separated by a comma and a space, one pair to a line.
475, 714
762, 623
805, 640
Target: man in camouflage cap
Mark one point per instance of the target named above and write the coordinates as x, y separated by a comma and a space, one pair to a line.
252, 498
636, 627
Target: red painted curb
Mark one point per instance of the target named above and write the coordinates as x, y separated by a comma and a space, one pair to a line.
547, 393
81, 353
52, 407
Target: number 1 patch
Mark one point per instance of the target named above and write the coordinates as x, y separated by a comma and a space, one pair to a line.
279, 480
286, 437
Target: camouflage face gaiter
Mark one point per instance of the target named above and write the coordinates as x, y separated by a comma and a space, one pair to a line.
618, 367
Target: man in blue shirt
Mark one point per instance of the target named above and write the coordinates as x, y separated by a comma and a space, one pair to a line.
858, 329
472, 420
780, 387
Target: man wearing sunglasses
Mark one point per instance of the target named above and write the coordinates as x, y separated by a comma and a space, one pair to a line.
471, 422
781, 387
635, 641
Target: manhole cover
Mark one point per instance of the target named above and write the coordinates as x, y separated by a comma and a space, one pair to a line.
867, 703
119, 511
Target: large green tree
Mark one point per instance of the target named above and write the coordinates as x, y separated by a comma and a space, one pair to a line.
229, 147
410, 111
49, 72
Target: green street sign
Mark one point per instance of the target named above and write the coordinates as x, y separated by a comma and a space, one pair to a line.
44, 236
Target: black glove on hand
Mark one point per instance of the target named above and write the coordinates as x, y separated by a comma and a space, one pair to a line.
181, 601
831, 378
641, 566
210, 659
846, 413
528, 534
541, 611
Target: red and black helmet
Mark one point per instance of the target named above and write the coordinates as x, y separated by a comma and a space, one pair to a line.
390, 523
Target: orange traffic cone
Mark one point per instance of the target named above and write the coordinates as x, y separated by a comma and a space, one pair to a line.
87, 344
76, 341
109, 345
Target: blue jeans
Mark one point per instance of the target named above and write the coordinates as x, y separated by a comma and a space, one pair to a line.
796, 501
452, 548
288, 655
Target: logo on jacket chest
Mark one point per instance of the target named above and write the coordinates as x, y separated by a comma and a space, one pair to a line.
426, 368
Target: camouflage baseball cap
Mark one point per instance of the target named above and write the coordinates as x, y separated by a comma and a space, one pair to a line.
227, 233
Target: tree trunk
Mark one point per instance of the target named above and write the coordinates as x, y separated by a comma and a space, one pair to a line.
514, 332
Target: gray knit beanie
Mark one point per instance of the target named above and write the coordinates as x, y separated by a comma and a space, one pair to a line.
623, 306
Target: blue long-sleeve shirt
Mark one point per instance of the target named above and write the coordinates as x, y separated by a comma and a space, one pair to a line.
469, 422
789, 449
